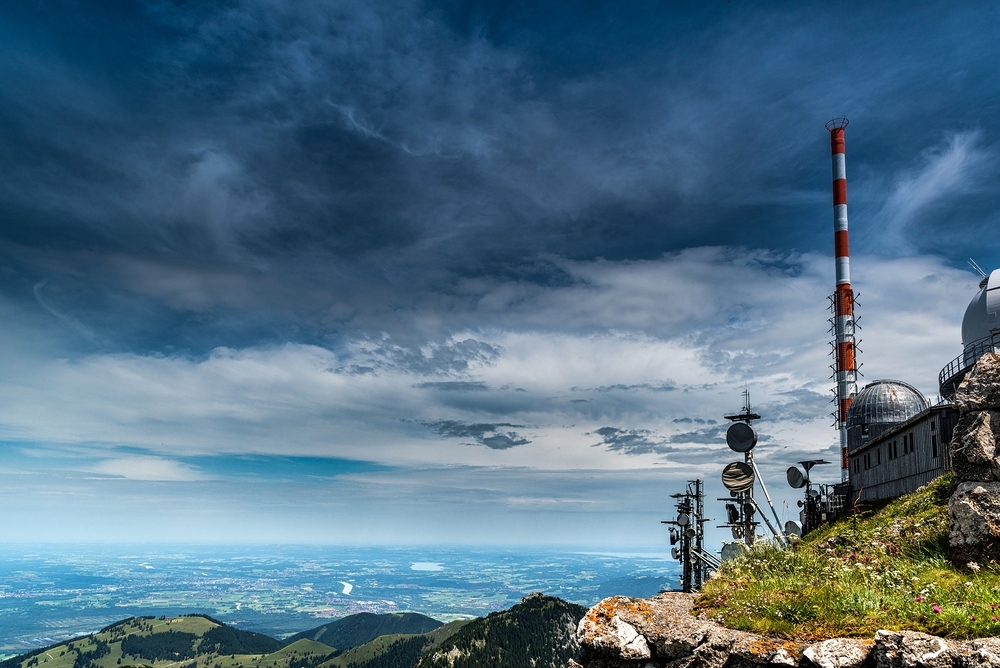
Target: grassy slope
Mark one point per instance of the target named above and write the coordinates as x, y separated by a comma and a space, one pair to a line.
61, 656
355, 630
885, 569
383, 644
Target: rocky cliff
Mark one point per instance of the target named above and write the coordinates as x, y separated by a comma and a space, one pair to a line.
974, 508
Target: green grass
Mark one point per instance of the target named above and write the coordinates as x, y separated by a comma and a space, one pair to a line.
884, 569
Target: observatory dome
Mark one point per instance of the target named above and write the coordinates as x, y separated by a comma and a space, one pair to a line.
981, 316
884, 403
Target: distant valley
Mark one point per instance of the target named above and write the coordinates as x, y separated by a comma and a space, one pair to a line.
55, 593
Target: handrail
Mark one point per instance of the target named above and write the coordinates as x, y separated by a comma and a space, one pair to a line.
966, 360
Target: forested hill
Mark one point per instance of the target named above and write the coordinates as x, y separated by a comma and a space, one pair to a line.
538, 632
358, 629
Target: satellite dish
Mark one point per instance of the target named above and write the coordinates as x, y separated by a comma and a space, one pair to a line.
795, 477
690, 533
732, 550
675, 553
737, 477
683, 519
741, 437
798, 503
813, 493
792, 528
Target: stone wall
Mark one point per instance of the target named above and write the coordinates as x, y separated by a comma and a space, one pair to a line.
660, 632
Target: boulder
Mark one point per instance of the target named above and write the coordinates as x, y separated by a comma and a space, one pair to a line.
980, 390
974, 512
981, 653
974, 446
839, 653
910, 649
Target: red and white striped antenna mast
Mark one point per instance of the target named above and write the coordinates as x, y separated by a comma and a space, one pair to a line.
843, 298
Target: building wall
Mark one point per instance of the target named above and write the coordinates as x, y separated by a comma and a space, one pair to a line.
903, 458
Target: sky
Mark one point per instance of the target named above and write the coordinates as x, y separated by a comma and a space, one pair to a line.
457, 272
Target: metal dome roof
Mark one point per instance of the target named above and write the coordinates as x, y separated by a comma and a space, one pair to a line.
885, 402
981, 316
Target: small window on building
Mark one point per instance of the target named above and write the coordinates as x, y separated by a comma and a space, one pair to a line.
933, 425
878, 457
934, 448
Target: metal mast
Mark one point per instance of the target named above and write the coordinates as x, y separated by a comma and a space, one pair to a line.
843, 299
689, 530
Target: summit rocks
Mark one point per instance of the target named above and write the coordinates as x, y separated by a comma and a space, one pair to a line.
974, 508
661, 632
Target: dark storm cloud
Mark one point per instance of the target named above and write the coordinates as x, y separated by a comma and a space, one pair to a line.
185, 175
707, 436
453, 386
496, 436
667, 386
449, 357
631, 441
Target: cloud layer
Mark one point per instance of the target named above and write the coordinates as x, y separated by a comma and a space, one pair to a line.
463, 245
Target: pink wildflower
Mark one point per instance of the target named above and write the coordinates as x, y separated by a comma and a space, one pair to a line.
918, 599
936, 609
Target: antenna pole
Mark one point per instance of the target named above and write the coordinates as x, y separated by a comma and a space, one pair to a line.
767, 496
843, 298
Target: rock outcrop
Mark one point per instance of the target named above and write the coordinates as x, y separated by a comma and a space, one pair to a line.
974, 508
660, 632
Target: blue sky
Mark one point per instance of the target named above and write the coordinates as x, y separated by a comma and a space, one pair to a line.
377, 272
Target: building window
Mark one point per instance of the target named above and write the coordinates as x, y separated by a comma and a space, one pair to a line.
933, 425
934, 448
878, 456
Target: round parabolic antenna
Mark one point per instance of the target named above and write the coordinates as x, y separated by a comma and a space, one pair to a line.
683, 519
792, 528
732, 550
741, 437
737, 477
795, 477
675, 553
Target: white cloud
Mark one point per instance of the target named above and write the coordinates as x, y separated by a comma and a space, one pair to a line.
704, 322
950, 168
139, 467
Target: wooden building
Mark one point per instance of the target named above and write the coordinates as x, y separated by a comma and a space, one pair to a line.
896, 442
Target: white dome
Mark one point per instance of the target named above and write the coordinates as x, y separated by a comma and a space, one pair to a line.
981, 316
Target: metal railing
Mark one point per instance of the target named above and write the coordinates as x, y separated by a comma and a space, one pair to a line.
953, 372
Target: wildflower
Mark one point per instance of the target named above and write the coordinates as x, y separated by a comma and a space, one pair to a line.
968, 584
918, 599
972, 618
994, 618
972, 566
936, 609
